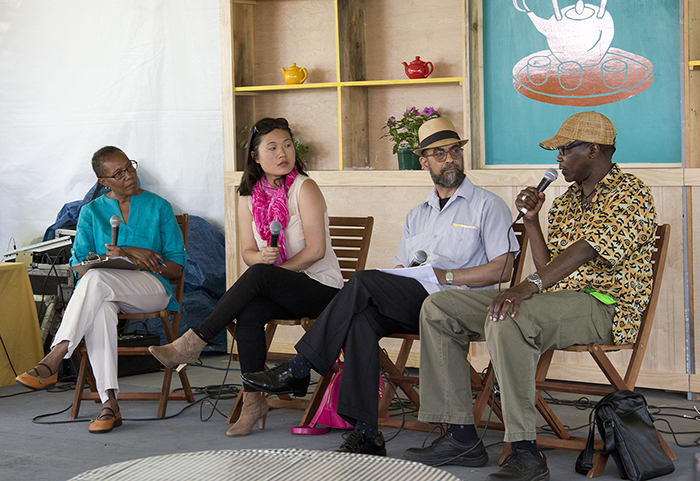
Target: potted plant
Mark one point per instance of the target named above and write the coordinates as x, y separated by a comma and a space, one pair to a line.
403, 133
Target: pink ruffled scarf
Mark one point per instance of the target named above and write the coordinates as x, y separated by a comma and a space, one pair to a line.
269, 205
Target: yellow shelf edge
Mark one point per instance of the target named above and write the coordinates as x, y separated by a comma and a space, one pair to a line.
261, 88
357, 83
368, 83
694, 64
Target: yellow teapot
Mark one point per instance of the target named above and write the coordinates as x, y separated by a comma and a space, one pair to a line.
294, 74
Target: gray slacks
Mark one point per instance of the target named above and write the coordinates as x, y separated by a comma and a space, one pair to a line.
450, 320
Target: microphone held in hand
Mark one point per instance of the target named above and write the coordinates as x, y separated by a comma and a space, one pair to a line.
275, 229
115, 222
550, 176
418, 258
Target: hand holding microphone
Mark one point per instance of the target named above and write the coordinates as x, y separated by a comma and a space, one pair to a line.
549, 176
115, 221
418, 258
271, 252
275, 229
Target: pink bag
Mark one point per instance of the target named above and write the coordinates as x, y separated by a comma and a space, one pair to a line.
327, 414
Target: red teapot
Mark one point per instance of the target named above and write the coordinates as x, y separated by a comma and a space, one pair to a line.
418, 68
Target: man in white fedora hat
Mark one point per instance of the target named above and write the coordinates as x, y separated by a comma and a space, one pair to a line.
463, 233
592, 283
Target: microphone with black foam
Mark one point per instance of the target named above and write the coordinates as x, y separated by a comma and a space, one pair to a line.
418, 258
115, 222
550, 176
275, 229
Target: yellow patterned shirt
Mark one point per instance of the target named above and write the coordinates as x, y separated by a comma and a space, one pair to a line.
619, 223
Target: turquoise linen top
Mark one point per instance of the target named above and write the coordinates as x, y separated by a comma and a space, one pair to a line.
152, 225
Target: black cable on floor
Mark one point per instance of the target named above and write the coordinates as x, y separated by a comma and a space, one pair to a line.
8, 357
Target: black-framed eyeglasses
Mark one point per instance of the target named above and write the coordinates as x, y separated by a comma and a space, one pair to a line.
563, 150
265, 126
122, 173
441, 154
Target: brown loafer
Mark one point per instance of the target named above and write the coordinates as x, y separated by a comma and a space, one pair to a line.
36, 383
99, 426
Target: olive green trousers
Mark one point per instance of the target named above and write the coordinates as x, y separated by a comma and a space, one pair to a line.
451, 319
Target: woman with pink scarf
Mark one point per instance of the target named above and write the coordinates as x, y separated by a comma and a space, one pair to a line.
296, 279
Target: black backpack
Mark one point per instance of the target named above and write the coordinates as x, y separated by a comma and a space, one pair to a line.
628, 433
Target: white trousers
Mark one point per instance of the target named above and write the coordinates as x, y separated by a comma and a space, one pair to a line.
92, 314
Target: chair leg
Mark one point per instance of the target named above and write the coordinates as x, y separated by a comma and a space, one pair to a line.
236, 409
485, 397
79, 385
165, 394
316, 399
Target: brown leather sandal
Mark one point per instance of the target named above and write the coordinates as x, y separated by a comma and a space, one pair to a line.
36, 383
100, 427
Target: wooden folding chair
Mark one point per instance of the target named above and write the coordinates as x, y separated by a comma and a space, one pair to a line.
395, 368
564, 440
350, 237
171, 330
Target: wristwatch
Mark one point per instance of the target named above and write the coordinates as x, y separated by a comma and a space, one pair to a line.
535, 279
449, 277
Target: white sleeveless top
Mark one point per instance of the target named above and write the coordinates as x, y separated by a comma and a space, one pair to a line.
326, 270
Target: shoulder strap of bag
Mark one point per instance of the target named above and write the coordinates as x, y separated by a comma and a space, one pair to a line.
584, 462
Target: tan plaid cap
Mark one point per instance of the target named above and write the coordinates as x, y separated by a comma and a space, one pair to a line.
585, 126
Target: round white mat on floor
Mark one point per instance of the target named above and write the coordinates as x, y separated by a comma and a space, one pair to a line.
265, 465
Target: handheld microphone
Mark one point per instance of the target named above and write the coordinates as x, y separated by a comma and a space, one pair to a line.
275, 229
418, 258
550, 176
115, 222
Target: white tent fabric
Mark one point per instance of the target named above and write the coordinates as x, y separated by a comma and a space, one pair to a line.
75, 75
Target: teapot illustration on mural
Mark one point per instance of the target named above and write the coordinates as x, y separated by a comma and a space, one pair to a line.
294, 74
418, 69
579, 33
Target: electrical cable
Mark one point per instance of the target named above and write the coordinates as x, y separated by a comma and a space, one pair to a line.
221, 387
8, 356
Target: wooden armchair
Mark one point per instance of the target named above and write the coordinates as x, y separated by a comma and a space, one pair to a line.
564, 439
350, 237
395, 368
171, 330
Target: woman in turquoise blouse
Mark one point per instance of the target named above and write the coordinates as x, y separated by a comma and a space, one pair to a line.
150, 237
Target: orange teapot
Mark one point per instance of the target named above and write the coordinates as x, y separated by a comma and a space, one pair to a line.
294, 74
418, 68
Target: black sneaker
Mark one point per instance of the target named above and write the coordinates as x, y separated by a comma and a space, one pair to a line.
522, 465
358, 443
447, 450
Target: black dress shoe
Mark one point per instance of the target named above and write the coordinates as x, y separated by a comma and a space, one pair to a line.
447, 450
358, 443
522, 465
278, 380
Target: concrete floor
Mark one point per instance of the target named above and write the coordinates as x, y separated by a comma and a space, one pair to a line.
61, 451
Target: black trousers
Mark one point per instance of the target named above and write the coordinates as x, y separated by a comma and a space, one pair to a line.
264, 292
372, 305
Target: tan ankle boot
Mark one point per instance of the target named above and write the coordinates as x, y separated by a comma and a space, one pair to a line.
185, 350
254, 409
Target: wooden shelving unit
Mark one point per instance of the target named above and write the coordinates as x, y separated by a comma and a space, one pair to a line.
353, 51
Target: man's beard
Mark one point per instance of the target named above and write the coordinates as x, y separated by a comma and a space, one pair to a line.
450, 179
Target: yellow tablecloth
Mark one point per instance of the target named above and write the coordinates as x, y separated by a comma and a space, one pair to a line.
19, 324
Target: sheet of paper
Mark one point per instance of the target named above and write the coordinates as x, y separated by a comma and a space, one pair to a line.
423, 274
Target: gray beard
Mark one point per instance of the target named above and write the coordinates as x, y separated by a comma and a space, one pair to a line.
449, 180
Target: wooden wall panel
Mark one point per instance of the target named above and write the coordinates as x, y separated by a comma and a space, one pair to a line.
395, 33
302, 32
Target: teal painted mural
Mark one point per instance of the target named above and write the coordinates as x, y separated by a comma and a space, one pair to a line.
545, 60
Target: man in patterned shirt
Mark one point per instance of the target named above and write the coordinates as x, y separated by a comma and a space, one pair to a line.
592, 283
